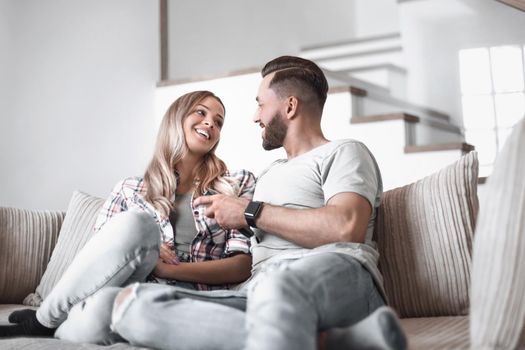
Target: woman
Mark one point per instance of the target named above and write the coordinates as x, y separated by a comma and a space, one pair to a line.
156, 217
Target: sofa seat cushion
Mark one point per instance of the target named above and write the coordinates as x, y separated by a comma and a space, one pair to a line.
427, 333
35, 343
56, 344
6, 309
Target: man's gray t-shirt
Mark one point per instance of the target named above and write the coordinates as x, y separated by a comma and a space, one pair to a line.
310, 180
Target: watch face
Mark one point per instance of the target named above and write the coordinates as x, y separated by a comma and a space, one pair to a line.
251, 212
253, 208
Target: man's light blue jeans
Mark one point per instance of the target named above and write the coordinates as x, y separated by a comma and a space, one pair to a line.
287, 304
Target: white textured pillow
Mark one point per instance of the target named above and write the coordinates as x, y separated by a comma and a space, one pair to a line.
424, 233
498, 279
74, 233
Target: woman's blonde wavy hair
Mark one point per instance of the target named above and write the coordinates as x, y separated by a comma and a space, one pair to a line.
160, 179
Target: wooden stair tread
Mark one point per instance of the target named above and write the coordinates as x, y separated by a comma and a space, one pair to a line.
390, 66
462, 146
351, 41
396, 48
351, 89
385, 117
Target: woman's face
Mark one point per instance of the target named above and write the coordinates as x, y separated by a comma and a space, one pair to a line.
202, 127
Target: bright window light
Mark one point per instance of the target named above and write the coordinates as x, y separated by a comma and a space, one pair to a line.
478, 112
485, 143
493, 98
485, 170
475, 71
503, 135
507, 68
509, 108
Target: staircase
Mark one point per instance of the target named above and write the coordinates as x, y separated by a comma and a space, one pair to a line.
377, 60
406, 146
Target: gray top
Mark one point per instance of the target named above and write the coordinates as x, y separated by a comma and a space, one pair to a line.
309, 181
183, 222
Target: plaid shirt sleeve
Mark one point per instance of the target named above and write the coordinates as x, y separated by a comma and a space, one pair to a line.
117, 201
237, 242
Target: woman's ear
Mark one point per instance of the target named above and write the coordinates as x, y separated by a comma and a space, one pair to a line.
291, 107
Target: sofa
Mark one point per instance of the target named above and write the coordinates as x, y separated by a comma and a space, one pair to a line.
424, 232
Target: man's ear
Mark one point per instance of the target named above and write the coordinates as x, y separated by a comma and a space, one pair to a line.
292, 105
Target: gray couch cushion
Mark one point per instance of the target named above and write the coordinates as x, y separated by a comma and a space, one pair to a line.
437, 333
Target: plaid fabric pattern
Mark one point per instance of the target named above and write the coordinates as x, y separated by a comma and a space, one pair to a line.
212, 242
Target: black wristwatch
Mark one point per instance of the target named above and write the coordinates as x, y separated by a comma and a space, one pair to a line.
252, 212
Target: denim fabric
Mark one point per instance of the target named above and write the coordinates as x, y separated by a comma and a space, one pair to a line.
125, 251
89, 321
288, 303
168, 317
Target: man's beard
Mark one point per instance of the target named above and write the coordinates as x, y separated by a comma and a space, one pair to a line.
274, 133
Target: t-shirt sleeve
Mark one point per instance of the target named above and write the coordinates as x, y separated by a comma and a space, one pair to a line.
351, 168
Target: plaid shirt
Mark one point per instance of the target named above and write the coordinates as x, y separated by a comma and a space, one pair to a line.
212, 242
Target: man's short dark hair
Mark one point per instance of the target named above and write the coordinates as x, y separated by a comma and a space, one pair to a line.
299, 77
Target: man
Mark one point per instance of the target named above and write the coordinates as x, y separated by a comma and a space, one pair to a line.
314, 263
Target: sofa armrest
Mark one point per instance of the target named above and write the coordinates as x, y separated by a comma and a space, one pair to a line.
27, 239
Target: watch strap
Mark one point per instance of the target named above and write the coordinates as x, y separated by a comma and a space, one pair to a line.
252, 212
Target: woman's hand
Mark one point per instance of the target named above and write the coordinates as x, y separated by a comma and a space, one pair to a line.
233, 269
161, 269
168, 255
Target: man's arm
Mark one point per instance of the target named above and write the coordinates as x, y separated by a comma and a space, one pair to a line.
344, 219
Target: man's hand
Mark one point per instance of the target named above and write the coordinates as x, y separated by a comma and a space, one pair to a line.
228, 211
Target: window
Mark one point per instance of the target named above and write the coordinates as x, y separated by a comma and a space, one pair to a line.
493, 97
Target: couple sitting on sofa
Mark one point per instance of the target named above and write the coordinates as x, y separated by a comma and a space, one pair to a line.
314, 281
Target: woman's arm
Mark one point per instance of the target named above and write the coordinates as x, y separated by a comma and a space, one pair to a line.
233, 269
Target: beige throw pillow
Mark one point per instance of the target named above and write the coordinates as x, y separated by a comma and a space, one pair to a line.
424, 233
498, 278
75, 232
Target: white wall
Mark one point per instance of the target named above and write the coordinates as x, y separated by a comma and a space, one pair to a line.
375, 17
4, 69
433, 32
211, 37
79, 112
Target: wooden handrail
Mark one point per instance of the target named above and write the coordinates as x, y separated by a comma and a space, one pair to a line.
163, 37
517, 4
